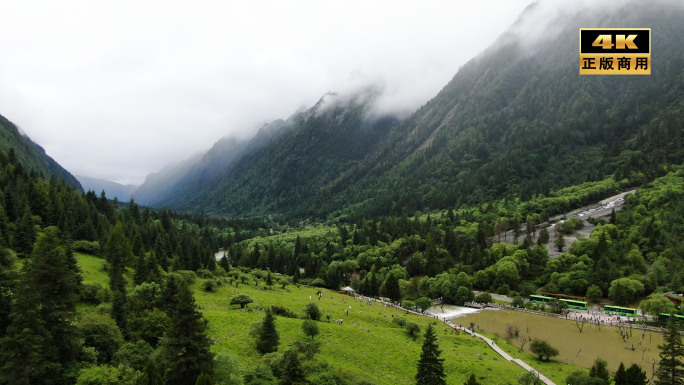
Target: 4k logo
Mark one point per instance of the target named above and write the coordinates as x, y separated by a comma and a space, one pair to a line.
615, 51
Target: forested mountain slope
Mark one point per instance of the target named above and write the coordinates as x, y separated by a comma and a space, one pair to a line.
31, 155
517, 120
296, 164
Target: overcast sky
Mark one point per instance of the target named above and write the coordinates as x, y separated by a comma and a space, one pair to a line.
118, 89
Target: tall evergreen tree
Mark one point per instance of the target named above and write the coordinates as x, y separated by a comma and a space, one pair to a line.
118, 252
671, 369
600, 371
620, 377
636, 376
41, 341
185, 348
430, 366
267, 341
392, 290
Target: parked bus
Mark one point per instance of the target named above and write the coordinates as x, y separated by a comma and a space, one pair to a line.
574, 303
540, 298
620, 310
665, 316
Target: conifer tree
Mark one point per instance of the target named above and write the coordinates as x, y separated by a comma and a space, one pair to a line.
118, 252
620, 377
671, 369
41, 340
636, 376
292, 369
185, 350
430, 366
267, 341
150, 375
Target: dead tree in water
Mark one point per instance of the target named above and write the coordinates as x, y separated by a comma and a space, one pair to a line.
580, 325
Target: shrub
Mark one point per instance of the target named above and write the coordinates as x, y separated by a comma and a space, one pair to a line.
204, 273
312, 311
209, 285
412, 329
283, 311
241, 300
87, 247
90, 293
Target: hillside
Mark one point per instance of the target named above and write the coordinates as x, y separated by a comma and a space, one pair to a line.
515, 121
31, 155
281, 172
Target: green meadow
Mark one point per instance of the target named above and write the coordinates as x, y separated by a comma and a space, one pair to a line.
366, 346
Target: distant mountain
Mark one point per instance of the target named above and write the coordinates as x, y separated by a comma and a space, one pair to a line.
180, 182
31, 155
112, 189
516, 121
290, 162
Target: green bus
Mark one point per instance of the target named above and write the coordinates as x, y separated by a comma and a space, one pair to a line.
666, 316
540, 298
574, 303
620, 310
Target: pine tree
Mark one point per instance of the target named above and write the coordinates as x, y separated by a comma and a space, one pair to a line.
41, 341
150, 375
392, 287
600, 370
430, 367
185, 348
292, 369
118, 252
621, 376
671, 369
267, 341
636, 376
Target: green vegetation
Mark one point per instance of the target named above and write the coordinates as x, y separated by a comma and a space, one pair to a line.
671, 368
430, 367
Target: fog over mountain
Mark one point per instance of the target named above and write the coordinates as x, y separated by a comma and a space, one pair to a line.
118, 91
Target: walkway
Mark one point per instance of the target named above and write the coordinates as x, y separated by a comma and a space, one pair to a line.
507, 356
489, 342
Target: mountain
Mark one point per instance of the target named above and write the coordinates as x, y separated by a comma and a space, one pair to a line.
514, 122
306, 153
112, 189
176, 183
31, 155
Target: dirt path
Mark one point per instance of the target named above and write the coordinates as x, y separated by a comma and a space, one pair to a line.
489, 342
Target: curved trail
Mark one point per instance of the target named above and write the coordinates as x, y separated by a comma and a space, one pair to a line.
489, 342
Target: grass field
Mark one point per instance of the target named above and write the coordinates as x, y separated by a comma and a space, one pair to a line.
575, 348
92, 269
367, 345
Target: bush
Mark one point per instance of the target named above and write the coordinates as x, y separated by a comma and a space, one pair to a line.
283, 311
90, 293
209, 285
241, 300
187, 276
483, 298
87, 247
312, 311
318, 282
204, 273
401, 321
412, 330
310, 328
